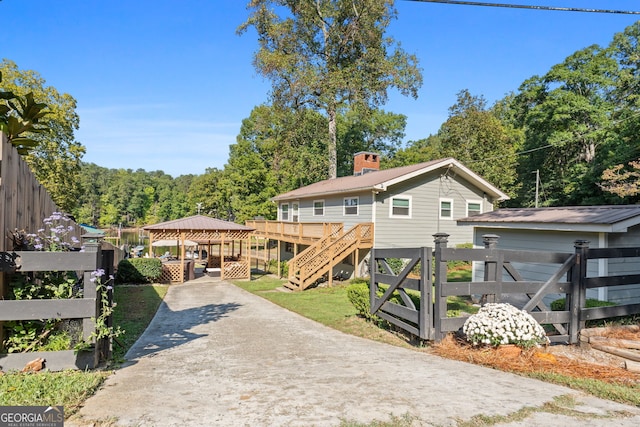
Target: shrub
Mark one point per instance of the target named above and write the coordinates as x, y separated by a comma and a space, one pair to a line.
560, 304
358, 294
499, 323
139, 270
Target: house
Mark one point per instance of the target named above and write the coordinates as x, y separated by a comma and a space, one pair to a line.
330, 226
555, 229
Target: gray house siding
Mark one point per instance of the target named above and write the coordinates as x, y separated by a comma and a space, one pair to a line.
563, 241
621, 266
333, 209
425, 194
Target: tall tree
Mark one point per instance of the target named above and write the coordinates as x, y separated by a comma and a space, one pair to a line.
377, 130
330, 54
56, 158
474, 135
567, 119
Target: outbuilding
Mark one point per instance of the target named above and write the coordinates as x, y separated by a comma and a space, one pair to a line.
556, 229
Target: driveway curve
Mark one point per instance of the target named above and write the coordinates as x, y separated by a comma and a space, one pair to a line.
216, 355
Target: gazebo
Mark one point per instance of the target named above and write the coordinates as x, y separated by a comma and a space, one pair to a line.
233, 257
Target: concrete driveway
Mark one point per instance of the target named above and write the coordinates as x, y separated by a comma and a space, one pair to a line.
215, 355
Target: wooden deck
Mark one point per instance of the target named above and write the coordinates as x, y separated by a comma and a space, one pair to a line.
305, 233
328, 244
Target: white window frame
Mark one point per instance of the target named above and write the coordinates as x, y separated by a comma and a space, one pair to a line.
282, 211
314, 207
295, 212
403, 197
357, 206
478, 202
450, 201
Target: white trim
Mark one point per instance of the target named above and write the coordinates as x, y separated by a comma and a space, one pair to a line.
403, 197
281, 212
603, 266
344, 206
444, 199
479, 202
313, 207
295, 212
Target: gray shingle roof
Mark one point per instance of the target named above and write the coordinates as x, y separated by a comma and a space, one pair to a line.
380, 180
619, 217
565, 214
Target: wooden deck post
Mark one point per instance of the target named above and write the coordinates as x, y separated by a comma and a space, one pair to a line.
279, 270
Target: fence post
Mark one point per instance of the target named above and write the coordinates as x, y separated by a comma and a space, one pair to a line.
490, 267
90, 291
425, 322
576, 300
440, 306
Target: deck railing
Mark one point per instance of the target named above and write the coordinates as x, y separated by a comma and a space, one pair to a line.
295, 231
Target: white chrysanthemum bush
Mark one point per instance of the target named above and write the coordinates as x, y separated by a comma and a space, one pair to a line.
500, 323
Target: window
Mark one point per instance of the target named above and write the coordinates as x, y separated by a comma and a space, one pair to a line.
318, 208
295, 212
350, 206
446, 208
474, 208
284, 212
401, 207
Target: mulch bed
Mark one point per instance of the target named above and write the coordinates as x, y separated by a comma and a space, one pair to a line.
531, 360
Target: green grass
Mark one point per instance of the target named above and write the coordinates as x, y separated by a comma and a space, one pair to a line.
68, 388
327, 305
135, 307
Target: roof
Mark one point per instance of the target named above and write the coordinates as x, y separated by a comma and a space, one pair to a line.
608, 218
380, 180
198, 223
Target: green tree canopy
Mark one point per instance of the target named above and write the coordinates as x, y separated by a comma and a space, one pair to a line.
330, 54
55, 159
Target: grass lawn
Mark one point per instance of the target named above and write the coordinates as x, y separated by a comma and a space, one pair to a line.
135, 308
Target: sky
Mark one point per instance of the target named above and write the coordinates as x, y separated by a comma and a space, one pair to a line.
165, 84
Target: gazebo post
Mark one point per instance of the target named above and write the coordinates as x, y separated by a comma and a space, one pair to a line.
182, 256
248, 243
151, 245
222, 256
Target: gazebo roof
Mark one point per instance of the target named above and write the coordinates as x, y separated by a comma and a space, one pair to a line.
197, 223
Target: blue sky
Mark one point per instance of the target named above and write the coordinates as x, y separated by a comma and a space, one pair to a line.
165, 84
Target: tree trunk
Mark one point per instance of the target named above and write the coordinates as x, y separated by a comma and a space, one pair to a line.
333, 151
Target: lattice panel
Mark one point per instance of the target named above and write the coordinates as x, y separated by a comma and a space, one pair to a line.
170, 273
236, 235
168, 235
236, 270
204, 235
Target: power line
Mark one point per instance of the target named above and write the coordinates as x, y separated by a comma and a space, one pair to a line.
524, 6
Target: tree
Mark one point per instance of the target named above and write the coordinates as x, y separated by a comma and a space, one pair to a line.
55, 159
377, 131
329, 55
567, 120
475, 136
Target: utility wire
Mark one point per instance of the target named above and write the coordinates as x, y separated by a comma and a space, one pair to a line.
524, 6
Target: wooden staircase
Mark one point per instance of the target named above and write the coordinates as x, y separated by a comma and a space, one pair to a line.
318, 260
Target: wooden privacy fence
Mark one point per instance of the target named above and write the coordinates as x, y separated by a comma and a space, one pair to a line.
24, 202
424, 273
84, 309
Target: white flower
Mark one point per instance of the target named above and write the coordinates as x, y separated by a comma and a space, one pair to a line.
499, 323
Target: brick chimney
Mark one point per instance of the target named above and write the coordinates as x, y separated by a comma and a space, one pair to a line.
364, 162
